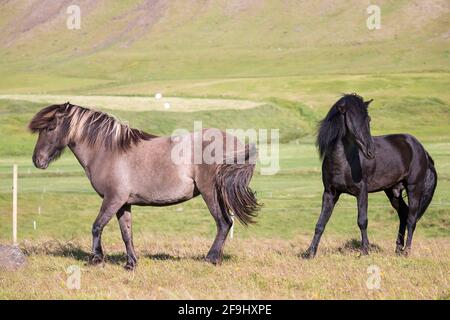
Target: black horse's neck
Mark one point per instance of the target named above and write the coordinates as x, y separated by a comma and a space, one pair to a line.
346, 154
351, 148
336, 139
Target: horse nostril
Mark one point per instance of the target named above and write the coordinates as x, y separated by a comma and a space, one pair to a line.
39, 163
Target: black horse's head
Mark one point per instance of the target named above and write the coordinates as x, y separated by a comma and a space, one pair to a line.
52, 129
348, 117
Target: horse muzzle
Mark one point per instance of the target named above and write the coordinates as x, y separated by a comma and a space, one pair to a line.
40, 163
368, 152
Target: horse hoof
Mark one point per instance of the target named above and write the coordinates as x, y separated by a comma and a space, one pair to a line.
406, 252
308, 254
399, 251
214, 259
364, 251
96, 259
129, 267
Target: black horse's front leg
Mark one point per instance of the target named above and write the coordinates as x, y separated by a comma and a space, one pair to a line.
124, 217
107, 211
329, 199
362, 200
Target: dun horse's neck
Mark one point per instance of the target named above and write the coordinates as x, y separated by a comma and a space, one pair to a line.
84, 153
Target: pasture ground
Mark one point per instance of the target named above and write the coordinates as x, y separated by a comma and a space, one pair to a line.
262, 261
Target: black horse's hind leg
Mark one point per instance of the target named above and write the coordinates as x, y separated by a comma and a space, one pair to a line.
414, 194
402, 210
124, 217
215, 254
329, 199
362, 200
107, 211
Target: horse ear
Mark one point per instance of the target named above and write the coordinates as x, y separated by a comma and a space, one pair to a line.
61, 111
368, 102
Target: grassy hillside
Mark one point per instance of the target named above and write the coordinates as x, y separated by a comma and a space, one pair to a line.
127, 42
16, 140
302, 53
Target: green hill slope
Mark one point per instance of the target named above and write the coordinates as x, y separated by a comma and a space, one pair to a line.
294, 55
133, 41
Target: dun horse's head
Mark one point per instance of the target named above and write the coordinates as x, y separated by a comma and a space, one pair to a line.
357, 122
52, 128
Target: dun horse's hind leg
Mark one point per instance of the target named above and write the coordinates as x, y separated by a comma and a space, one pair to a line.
107, 211
402, 210
329, 199
124, 217
215, 254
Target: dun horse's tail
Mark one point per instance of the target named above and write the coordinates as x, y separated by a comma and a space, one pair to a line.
231, 186
429, 187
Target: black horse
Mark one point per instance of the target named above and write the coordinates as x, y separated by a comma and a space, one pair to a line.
356, 163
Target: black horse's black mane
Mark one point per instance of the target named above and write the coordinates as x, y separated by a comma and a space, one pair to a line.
332, 128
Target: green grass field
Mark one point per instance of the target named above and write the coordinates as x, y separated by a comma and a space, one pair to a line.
261, 261
231, 64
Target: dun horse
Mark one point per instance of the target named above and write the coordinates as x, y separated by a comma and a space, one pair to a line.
129, 167
356, 163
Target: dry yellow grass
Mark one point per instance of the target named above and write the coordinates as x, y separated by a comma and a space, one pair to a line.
140, 103
172, 268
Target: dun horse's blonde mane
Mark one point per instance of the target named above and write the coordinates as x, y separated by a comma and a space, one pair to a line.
95, 127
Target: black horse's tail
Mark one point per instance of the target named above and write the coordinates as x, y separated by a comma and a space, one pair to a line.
429, 187
231, 186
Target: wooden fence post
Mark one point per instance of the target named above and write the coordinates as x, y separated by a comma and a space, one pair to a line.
14, 204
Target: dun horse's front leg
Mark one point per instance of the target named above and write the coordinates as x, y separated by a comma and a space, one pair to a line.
107, 211
329, 199
124, 217
362, 219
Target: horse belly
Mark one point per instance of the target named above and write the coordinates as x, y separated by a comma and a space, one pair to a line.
164, 193
384, 182
384, 177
